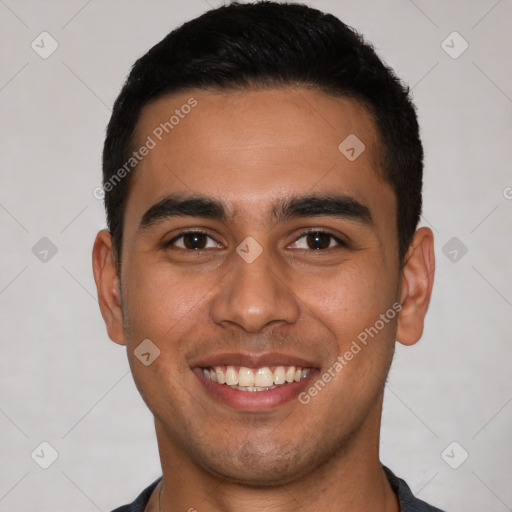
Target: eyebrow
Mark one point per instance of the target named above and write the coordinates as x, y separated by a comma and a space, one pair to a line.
179, 206
332, 205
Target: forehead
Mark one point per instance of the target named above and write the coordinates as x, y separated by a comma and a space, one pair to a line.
250, 148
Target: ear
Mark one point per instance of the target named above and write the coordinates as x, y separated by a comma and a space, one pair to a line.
416, 286
108, 285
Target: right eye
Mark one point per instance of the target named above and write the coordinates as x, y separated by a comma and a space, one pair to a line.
194, 241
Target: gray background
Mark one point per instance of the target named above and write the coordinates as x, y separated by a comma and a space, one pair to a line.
62, 381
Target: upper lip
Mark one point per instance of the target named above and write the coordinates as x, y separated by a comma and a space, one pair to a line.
253, 360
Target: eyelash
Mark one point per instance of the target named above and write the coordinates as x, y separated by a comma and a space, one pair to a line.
339, 241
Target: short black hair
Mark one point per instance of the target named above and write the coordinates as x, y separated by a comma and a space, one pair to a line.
268, 44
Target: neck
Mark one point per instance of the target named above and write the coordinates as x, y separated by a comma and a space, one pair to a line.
352, 479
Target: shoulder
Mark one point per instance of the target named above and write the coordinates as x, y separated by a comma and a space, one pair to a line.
141, 501
408, 503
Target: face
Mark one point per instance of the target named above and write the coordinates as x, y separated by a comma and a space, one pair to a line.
256, 251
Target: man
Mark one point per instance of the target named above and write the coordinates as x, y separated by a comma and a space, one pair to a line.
262, 177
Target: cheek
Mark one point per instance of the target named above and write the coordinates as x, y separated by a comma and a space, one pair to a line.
356, 306
351, 298
158, 300
160, 305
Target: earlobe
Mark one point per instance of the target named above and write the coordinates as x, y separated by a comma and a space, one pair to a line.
416, 290
108, 285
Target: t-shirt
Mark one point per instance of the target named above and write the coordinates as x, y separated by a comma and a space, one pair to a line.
408, 503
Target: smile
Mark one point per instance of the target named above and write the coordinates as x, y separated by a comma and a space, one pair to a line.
265, 378
256, 383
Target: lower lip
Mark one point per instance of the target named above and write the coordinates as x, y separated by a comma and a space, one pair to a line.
253, 400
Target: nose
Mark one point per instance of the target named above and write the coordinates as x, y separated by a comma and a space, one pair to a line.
255, 295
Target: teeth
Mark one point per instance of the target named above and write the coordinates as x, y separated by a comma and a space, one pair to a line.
279, 375
245, 377
231, 376
255, 379
264, 377
253, 388
220, 375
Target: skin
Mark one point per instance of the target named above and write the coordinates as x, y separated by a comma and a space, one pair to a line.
251, 149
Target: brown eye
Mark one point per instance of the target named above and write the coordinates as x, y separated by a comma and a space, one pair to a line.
318, 240
194, 241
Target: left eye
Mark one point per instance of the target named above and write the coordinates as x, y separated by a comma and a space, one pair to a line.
317, 240
194, 240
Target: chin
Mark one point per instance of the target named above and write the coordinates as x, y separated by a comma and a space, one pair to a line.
250, 465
